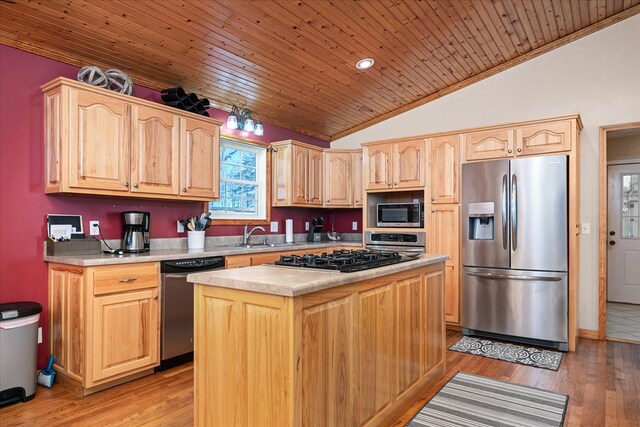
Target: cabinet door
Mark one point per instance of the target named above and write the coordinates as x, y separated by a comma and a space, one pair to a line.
327, 363
199, 159
488, 144
358, 185
375, 351
409, 164
338, 186
434, 331
281, 175
98, 142
544, 138
314, 179
377, 166
124, 333
299, 175
155, 151
445, 171
408, 333
444, 238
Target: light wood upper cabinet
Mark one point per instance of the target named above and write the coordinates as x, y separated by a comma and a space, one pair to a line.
542, 138
409, 164
488, 144
377, 166
98, 129
105, 143
104, 322
200, 159
394, 165
296, 174
155, 151
357, 178
445, 169
338, 186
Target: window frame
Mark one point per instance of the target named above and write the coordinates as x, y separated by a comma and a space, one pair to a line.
267, 184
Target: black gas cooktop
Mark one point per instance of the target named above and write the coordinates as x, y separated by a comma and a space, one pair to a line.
345, 261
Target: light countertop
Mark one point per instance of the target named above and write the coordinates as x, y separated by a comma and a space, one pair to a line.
293, 281
173, 254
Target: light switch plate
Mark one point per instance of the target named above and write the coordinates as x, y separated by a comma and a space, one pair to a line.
586, 228
354, 225
274, 226
94, 228
306, 226
180, 228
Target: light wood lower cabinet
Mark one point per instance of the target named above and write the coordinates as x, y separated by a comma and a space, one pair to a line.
352, 355
104, 323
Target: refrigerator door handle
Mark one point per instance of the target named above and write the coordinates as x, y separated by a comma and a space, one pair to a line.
514, 212
513, 277
505, 189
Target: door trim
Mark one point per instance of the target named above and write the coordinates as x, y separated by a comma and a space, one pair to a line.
603, 226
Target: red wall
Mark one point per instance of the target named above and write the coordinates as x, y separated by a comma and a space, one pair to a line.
24, 206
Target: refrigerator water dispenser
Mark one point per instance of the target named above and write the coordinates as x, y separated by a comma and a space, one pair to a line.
481, 221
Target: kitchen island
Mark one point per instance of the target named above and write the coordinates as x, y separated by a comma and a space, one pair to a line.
282, 346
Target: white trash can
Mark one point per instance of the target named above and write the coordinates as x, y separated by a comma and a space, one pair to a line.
18, 351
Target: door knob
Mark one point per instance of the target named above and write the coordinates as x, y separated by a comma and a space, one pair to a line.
184, 190
612, 233
612, 242
126, 184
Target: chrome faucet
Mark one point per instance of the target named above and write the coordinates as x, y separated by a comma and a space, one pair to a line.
246, 235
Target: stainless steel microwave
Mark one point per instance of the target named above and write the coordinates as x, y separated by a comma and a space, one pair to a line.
409, 215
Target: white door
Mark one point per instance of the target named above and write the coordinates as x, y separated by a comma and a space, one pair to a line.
623, 274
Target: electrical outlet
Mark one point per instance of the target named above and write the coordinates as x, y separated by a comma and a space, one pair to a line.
39, 335
306, 226
94, 228
274, 226
586, 228
354, 225
180, 228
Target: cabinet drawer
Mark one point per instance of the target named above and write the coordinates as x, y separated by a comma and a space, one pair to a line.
122, 278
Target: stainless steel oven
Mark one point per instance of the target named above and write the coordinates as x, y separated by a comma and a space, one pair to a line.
408, 242
176, 339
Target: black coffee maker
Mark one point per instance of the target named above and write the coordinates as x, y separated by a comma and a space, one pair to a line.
135, 231
315, 230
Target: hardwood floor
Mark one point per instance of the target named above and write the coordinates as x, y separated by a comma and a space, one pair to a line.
602, 380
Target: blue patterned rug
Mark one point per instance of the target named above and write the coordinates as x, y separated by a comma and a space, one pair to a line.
530, 356
472, 400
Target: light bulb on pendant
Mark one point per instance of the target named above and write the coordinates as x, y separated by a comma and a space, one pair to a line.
248, 125
232, 121
259, 128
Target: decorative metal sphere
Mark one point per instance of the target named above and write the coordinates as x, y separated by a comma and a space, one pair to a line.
119, 81
93, 76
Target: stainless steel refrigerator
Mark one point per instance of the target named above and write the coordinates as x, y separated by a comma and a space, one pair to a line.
515, 250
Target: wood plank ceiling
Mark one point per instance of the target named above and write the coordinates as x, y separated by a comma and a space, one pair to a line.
292, 61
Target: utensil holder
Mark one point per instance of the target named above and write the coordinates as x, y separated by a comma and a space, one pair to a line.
195, 239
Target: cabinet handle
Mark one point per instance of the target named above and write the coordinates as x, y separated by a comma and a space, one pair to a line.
519, 150
509, 151
128, 280
395, 183
328, 201
433, 210
156, 298
184, 190
433, 199
126, 184
135, 185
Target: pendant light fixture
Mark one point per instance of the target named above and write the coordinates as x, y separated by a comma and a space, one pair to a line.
241, 119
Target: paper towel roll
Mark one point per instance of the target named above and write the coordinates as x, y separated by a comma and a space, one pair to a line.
288, 234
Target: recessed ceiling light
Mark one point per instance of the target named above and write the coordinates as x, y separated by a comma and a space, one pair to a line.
365, 63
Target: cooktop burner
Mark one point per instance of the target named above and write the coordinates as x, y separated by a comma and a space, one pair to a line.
346, 261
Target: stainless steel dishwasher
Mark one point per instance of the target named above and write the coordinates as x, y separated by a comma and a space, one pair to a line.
176, 339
